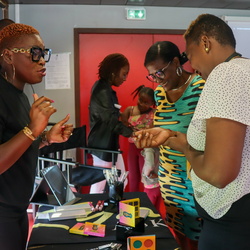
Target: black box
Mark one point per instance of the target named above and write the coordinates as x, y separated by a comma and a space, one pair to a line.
124, 231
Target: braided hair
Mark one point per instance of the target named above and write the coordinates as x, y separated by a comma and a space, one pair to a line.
112, 64
144, 90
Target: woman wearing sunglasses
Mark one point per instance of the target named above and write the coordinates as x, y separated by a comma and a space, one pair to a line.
23, 58
176, 97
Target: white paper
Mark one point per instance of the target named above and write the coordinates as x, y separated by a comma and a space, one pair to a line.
66, 215
42, 216
80, 206
58, 72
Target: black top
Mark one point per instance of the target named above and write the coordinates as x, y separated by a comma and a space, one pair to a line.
16, 184
105, 126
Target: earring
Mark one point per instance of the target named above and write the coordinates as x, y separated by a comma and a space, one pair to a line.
179, 71
207, 49
14, 72
5, 76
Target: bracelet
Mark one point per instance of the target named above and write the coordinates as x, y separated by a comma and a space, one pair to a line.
44, 138
28, 133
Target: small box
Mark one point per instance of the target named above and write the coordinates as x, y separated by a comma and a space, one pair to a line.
123, 231
78, 228
129, 211
145, 242
94, 229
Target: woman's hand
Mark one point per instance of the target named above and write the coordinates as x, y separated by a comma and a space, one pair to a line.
60, 132
177, 142
152, 137
40, 112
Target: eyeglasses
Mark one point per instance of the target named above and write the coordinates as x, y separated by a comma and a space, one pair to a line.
158, 74
36, 53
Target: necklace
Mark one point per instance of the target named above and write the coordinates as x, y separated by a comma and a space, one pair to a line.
182, 84
235, 54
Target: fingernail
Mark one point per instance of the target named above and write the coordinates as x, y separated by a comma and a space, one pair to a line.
52, 101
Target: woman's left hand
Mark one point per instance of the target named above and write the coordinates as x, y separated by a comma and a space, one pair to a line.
152, 137
177, 142
60, 132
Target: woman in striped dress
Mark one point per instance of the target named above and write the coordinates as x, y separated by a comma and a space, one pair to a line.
176, 97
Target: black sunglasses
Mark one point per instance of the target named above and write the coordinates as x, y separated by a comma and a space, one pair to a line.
36, 53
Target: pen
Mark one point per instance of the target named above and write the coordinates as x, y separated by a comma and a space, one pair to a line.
112, 246
92, 207
99, 205
124, 176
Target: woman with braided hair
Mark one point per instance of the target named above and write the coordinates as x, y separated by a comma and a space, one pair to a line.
104, 115
23, 58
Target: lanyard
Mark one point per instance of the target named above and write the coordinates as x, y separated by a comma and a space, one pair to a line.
232, 56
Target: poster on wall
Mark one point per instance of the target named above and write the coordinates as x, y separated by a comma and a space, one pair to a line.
58, 72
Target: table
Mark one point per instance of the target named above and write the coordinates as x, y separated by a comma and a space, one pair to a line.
54, 234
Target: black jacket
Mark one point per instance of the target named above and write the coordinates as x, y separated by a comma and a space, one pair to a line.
105, 126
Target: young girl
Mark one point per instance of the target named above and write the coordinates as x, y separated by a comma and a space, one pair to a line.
140, 117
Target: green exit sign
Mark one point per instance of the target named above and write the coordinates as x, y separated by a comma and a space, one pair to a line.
136, 14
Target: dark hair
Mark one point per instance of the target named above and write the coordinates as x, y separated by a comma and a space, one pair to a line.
144, 90
111, 64
4, 22
166, 51
211, 26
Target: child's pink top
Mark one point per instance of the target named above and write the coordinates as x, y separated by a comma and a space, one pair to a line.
141, 121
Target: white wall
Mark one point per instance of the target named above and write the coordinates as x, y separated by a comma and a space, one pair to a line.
56, 24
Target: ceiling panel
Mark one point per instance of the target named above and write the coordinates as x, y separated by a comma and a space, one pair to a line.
221, 4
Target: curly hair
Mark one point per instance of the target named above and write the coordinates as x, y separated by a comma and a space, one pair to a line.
211, 26
12, 33
111, 64
166, 51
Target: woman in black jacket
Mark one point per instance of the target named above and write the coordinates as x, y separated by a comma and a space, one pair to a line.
104, 109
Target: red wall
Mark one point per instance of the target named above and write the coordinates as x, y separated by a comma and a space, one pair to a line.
94, 47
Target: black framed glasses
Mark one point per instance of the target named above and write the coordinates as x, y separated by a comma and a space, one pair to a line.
158, 74
36, 53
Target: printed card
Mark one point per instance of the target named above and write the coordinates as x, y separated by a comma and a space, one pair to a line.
94, 229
